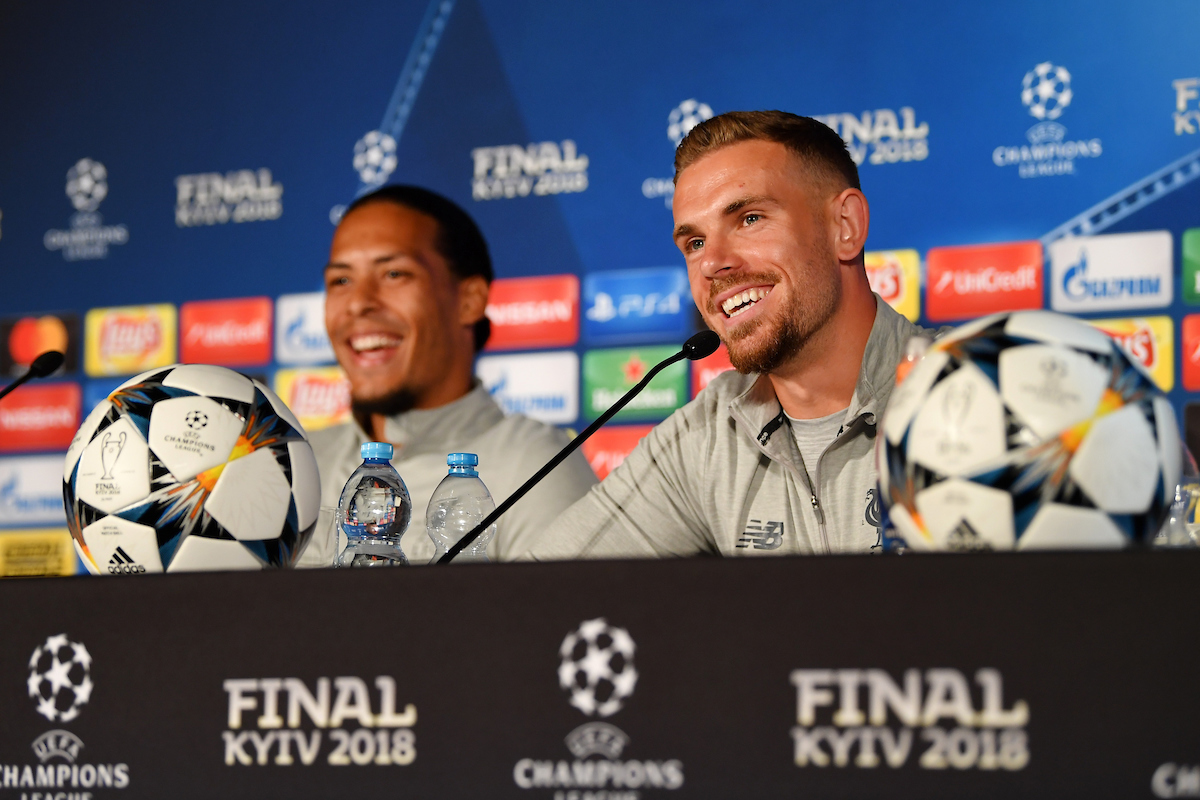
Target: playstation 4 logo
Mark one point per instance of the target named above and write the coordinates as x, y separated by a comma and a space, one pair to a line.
636, 306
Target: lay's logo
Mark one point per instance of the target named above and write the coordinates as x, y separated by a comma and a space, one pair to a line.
319, 397
130, 339
1148, 341
894, 276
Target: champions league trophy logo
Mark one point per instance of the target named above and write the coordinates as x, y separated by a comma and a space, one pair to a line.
110, 451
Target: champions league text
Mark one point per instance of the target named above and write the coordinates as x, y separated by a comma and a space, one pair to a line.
277, 706
834, 727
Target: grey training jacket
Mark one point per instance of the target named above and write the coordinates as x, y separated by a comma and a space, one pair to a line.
723, 475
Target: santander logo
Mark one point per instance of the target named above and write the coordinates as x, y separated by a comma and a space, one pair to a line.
123, 336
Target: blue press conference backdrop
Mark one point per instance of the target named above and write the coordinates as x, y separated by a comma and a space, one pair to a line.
937, 100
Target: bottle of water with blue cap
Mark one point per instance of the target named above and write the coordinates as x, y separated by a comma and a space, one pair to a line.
374, 511
459, 503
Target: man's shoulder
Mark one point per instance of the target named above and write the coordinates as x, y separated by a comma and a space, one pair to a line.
333, 437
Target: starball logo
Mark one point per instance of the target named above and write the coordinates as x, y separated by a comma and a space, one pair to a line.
680, 121
542, 168
596, 669
1046, 93
835, 728
88, 238
59, 683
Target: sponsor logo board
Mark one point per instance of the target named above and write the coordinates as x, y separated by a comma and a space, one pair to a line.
129, 339
88, 237
231, 333
211, 198
25, 338
597, 670
883, 136
1191, 426
31, 491
637, 305
974, 280
609, 446
1149, 342
608, 374
709, 367
1190, 336
1046, 93
1187, 105
318, 396
1111, 271
895, 276
30, 552
533, 312
539, 169
544, 386
1191, 266
300, 336
40, 417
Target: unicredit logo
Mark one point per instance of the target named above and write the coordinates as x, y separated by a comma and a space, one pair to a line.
972, 281
129, 336
987, 281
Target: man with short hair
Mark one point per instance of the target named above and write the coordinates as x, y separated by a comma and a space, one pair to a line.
775, 457
406, 288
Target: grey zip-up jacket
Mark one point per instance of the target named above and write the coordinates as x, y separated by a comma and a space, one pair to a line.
723, 475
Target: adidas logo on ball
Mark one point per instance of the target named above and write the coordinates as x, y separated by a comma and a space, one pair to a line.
122, 564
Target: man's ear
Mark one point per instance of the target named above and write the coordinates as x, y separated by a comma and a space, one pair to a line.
472, 299
851, 218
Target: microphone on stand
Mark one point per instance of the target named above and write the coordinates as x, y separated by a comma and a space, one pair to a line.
42, 366
702, 344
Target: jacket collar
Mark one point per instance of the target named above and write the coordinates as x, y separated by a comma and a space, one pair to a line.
441, 429
759, 411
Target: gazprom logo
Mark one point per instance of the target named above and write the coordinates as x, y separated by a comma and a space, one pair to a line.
1076, 284
1113, 271
638, 305
544, 386
31, 490
300, 336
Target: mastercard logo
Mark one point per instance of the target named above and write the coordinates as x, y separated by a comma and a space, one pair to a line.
30, 337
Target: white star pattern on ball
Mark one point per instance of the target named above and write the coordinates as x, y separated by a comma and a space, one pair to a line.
1046, 90
596, 667
50, 675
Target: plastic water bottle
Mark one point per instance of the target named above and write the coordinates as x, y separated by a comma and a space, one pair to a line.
374, 511
459, 503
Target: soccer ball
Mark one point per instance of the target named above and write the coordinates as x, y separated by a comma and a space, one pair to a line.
190, 468
1027, 430
375, 157
596, 667
1046, 90
684, 117
87, 184
60, 686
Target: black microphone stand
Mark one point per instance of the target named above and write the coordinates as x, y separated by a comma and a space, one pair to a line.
699, 346
42, 366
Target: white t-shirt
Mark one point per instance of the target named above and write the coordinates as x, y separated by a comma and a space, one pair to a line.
813, 436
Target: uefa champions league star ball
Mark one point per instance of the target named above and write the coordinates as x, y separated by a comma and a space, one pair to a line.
1027, 430
190, 468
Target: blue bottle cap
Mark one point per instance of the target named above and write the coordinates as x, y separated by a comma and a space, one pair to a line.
462, 460
376, 450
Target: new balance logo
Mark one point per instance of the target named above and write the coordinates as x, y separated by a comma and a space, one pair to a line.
122, 564
762, 535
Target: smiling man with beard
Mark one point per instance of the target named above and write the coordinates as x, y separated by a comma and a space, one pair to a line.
775, 457
406, 288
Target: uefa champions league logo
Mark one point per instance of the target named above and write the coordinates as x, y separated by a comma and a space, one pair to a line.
686, 116
87, 184
60, 678
1046, 90
596, 667
375, 157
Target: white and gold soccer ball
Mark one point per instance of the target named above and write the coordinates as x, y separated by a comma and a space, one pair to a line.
1027, 430
190, 467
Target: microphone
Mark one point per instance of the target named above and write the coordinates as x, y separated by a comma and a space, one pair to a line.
42, 366
702, 344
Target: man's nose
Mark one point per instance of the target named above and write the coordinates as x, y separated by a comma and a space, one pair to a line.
364, 296
719, 257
